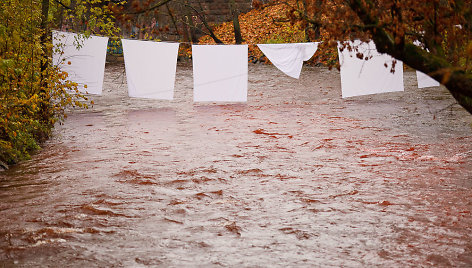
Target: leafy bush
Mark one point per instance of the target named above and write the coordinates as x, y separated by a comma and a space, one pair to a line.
32, 97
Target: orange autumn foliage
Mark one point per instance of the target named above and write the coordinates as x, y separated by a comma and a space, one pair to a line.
268, 24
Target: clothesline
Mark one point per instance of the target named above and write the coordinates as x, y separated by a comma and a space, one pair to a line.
211, 44
220, 73
217, 44
180, 42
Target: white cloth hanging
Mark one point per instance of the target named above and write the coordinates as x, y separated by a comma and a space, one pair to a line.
150, 68
362, 77
425, 80
87, 62
220, 73
289, 57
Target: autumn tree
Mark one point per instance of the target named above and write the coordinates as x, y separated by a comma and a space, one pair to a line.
33, 93
443, 28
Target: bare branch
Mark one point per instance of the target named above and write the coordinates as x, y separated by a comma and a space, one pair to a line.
158, 5
62, 4
205, 23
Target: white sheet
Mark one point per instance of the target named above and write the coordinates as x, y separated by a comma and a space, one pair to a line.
87, 63
220, 73
425, 80
150, 68
289, 57
361, 77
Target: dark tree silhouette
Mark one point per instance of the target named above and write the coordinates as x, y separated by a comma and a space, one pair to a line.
443, 27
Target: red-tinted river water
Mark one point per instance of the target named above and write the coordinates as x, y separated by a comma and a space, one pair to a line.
297, 177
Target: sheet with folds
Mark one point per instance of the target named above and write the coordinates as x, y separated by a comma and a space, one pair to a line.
363, 77
220, 73
85, 63
289, 58
150, 68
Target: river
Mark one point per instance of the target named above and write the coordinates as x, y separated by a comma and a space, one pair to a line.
295, 177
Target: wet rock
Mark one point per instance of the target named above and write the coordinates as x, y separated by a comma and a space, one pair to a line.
148, 261
234, 228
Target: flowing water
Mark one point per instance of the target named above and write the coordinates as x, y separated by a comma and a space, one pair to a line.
296, 177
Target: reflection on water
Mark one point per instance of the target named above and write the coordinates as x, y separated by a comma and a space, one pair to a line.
295, 177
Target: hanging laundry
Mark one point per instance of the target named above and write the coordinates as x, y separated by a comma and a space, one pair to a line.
150, 68
82, 58
362, 77
289, 57
220, 73
425, 80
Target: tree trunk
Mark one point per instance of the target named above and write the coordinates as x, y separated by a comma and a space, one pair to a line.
192, 35
312, 29
45, 39
237, 28
45, 34
457, 82
185, 30
212, 34
173, 19
205, 23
